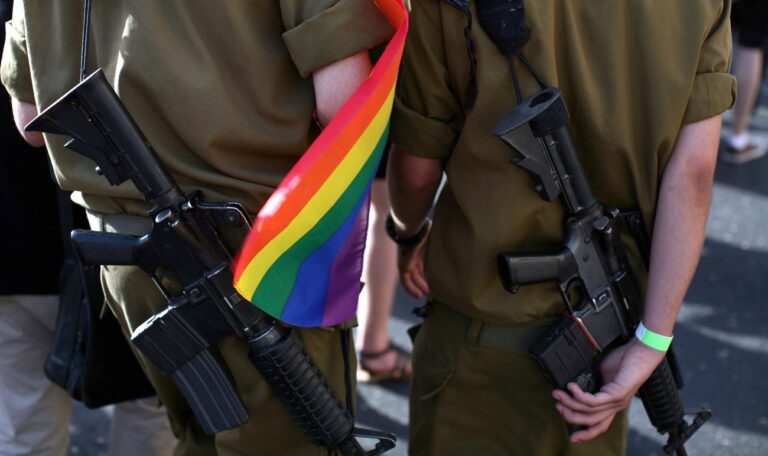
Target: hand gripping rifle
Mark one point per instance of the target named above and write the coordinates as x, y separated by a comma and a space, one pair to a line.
193, 242
592, 265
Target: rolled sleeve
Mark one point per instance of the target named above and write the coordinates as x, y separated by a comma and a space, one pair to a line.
714, 89
427, 115
14, 69
419, 135
713, 94
319, 33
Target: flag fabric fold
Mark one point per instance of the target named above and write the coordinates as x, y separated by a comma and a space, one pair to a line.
302, 260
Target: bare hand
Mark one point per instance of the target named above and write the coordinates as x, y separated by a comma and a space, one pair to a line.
624, 371
410, 263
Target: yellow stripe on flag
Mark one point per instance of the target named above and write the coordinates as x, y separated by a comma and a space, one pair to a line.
319, 204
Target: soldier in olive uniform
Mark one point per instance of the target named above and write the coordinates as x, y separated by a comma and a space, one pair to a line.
227, 93
645, 83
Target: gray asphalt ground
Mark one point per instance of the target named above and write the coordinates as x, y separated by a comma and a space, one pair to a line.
721, 336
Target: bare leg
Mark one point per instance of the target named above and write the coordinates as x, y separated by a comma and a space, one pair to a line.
140, 427
740, 146
34, 413
380, 277
747, 67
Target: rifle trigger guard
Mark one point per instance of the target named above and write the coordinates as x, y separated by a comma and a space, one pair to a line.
566, 288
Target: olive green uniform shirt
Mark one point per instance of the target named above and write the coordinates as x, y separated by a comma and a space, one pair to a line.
631, 72
219, 88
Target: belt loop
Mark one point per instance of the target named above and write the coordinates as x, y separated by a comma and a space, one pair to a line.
473, 333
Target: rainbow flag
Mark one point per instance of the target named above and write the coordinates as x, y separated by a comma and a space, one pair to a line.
302, 260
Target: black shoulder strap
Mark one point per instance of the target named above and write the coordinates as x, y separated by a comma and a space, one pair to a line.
86, 36
471, 92
504, 23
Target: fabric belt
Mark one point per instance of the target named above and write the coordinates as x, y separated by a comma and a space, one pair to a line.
507, 337
119, 223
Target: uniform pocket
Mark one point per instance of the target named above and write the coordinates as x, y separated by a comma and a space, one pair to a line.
413, 331
432, 364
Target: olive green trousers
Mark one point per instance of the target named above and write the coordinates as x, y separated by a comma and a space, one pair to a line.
133, 298
471, 398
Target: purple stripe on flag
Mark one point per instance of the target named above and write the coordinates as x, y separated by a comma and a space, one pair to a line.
309, 300
344, 286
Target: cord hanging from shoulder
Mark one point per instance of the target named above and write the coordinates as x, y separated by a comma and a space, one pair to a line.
504, 23
471, 93
86, 37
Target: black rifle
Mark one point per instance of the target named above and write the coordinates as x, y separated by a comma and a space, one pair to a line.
592, 265
193, 243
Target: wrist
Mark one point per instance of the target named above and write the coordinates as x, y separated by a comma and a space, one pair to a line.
652, 339
404, 238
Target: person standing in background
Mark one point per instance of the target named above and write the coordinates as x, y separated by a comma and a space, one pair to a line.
379, 358
34, 413
750, 25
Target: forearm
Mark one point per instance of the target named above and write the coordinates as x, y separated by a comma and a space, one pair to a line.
335, 83
681, 217
23, 113
413, 183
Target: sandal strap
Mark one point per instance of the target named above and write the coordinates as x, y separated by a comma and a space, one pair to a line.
398, 371
375, 355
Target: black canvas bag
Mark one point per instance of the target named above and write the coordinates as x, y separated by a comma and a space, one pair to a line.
90, 357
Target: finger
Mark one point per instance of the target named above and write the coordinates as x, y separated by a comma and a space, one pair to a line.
569, 401
600, 399
592, 431
417, 281
585, 419
410, 286
414, 269
420, 281
407, 268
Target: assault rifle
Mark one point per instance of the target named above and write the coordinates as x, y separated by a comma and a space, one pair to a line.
193, 242
592, 266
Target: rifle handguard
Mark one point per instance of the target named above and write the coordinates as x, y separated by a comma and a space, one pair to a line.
300, 385
295, 379
665, 411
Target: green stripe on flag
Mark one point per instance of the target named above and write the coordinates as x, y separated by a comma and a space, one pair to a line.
275, 288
